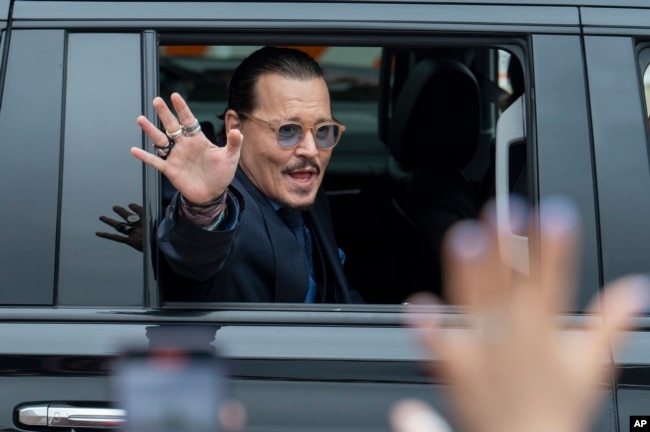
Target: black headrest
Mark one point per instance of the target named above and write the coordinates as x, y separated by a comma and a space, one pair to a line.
437, 115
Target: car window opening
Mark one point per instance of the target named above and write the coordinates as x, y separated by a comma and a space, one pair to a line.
418, 155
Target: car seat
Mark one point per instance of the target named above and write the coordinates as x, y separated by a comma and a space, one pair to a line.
433, 132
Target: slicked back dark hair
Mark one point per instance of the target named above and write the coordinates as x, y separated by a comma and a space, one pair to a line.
287, 62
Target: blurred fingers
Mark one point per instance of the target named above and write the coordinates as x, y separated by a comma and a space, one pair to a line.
419, 316
232, 416
416, 416
475, 275
621, 301
556, 265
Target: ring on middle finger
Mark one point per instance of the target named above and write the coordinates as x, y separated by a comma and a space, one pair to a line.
192, 129
177, 133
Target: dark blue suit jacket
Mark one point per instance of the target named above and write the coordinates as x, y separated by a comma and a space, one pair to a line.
260, 260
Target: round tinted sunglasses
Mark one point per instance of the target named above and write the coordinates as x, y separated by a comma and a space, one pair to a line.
290, 133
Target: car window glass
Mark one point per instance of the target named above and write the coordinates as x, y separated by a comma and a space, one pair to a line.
29, 172
103, 98
390, 231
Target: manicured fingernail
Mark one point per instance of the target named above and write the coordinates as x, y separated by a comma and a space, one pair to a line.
558, 215
469, 240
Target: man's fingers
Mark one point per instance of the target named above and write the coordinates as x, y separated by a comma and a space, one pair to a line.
185, 115
233, 145
149, 159
415, 416
167, 118
156, 135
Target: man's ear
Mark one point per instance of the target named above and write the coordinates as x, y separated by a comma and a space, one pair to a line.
231, 121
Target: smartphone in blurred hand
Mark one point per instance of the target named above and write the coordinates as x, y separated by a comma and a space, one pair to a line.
169, 390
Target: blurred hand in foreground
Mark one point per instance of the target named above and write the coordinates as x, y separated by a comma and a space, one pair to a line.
512, 370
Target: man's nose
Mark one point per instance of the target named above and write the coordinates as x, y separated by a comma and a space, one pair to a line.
307, 146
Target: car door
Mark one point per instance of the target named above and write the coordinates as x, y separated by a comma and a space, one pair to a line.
69, 100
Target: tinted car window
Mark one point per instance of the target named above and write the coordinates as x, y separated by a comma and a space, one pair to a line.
70, 167
29, 174
103, 98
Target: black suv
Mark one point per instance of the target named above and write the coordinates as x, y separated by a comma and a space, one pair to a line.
448, 105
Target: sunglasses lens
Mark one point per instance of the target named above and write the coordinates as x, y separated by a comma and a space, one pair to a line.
327, 135
289, 134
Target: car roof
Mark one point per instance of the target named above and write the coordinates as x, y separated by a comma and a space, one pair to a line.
598, 3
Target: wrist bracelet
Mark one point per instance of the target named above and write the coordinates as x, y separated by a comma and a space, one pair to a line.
204, 208
207, 216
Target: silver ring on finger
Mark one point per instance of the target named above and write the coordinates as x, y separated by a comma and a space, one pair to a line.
124, 228
192, 129
163, 152
173, 135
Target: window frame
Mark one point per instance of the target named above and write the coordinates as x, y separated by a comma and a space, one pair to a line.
516, 44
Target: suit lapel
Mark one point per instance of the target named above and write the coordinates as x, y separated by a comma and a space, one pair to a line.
333, 276
291, 276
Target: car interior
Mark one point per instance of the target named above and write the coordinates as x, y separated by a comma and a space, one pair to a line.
420, 152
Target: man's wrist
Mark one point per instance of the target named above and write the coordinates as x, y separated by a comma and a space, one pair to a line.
205, 207
208, 215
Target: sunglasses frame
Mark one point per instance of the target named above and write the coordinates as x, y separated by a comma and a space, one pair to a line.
276, 129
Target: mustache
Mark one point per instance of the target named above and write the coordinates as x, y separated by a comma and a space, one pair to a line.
304, 163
